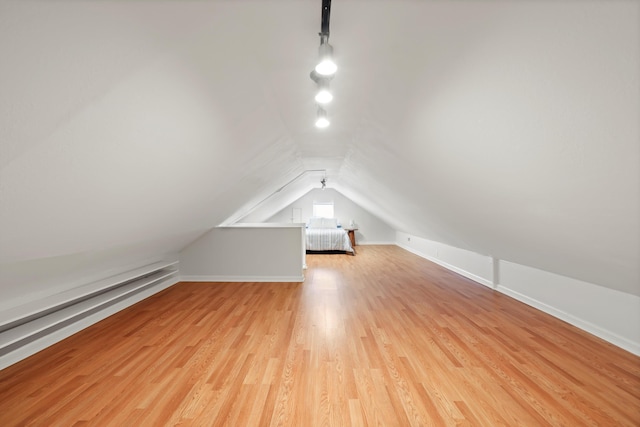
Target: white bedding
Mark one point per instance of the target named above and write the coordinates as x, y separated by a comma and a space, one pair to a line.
328, 239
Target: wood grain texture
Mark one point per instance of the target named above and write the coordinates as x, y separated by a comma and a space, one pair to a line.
382, 339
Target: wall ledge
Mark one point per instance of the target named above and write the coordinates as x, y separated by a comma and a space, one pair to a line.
67, 329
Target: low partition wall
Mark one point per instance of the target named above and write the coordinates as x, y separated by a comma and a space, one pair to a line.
606, 313
246, 253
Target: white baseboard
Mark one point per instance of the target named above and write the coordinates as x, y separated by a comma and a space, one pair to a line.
365, 243
606, 335
276, 279
453, 268
49, 339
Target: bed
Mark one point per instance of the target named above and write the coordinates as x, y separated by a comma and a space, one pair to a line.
323, 234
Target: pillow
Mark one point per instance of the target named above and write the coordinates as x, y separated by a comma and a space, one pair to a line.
315, 223
330, 222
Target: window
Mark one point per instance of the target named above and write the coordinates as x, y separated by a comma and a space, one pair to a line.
323, 209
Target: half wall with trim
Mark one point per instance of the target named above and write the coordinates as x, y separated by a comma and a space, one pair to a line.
246, 253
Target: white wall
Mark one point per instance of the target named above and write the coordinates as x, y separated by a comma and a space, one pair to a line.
520, 137
371, 229
246, 253
607, 313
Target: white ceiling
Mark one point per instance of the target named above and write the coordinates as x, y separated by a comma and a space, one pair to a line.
507, 128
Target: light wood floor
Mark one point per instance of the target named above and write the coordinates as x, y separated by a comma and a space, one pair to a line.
382, 338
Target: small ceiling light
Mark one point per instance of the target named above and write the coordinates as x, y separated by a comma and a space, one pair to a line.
323, 181
323, 96
322, 121
326, 66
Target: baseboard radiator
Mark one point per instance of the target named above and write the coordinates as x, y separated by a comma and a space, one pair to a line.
28, 328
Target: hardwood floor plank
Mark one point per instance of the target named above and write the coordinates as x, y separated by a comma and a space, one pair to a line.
383, 339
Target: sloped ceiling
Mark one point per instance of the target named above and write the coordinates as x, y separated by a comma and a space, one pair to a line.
507, 128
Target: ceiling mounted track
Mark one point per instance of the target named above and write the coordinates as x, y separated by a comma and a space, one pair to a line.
326, 15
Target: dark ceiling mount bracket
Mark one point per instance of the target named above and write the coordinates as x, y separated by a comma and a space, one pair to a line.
326, 14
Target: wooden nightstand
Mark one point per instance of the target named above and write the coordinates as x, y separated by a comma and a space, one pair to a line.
352, 235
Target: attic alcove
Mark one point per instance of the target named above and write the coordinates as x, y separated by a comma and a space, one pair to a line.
372, 229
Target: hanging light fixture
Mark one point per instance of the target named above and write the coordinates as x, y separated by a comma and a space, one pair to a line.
322, 120
323, 181
326, 68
